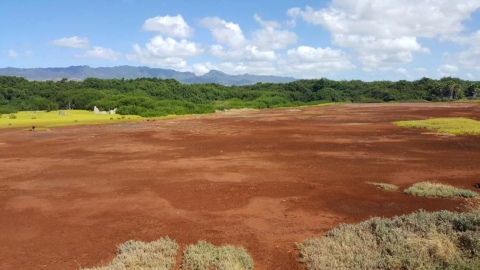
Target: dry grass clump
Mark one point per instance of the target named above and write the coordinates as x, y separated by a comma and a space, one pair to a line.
428, 189
205, 256
445, 125
135, 255
440, 240
385, 186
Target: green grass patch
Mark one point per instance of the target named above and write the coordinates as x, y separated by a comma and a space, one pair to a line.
440, 240
53, 119
160, 254
385, 186
428, 189
445, 125
205, 256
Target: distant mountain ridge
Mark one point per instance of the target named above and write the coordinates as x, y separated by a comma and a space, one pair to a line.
131, 72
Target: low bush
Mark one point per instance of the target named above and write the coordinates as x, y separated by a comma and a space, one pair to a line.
428, 189
160, 254
12, 116
439, 240
385, 186
205, 256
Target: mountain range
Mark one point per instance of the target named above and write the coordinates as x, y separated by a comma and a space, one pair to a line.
130, 72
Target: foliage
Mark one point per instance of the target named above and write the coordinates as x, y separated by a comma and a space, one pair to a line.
160, 254
440, 240
385, 186
43, 119
427, 189
445, 125
205, 256
150, 97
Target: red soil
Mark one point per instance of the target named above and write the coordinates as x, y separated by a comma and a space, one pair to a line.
259, 179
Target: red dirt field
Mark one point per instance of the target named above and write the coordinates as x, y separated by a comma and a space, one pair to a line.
258, 179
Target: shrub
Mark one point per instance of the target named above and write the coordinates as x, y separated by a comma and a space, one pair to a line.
133, 255
427, 189
12, 116
440, 240
205, 256
385, 186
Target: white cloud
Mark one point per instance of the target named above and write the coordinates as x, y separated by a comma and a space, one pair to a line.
447, 70
468, 58
248, 53
310, 62
403, 71
470, 76
273, 24
100, 53
12, 54
72, 42
171, 26
225, 32
165, 52
385, 33
270, 38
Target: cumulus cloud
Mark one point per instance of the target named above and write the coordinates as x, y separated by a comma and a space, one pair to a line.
386, 32
171, 26
315, 61
224, 32
468, 58
100, 53
447, 70
165, 52
72, 42
270, 38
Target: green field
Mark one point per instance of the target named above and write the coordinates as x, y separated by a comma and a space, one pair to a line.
445, 125
42, 119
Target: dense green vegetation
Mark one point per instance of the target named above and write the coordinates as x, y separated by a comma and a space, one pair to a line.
159, 97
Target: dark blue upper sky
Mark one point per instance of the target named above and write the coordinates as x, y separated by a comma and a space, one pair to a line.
338, 39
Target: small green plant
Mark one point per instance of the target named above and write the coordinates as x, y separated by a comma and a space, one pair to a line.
385, 186
12, 116
428, 189
160, 254
75, 121
205, 256
123, 117
111, 118
34, 118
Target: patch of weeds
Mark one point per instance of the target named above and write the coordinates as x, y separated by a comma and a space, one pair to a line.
385, 186
422, 240
205, 256
445, 125
160, 254
12, 116
428, 189
34, 118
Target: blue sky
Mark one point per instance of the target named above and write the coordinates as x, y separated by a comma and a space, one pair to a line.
337, 39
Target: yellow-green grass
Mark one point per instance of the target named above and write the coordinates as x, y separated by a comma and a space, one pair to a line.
428, 189
445, 125
42, 119
385, 186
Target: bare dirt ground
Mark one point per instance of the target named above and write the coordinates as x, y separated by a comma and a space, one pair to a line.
259, 179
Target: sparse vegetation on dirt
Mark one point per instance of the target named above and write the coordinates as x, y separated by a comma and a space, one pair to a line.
205, 256
385, 186
53, 119
428, 189
135, 255
445, 125
439, 240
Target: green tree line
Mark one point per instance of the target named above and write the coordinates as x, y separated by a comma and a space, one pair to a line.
158, 97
